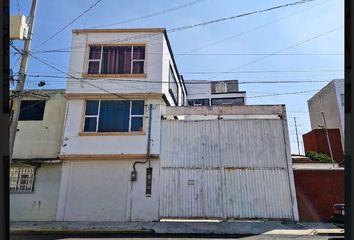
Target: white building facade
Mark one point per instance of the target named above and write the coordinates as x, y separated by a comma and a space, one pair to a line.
118, 81
330, 101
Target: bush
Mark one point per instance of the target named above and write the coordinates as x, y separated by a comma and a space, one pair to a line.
322, 157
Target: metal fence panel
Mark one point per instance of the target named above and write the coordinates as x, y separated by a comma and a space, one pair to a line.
224, 169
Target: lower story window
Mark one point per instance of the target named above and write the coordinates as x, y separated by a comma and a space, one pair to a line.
114, 116
22, 179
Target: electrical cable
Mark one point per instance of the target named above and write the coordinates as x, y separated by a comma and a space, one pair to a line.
279, 51
188, 4
198, 24
67, 25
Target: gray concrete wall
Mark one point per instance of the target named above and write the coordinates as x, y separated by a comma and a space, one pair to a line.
42, 139
41, 204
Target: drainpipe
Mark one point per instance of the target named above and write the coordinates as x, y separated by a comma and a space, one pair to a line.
134, 173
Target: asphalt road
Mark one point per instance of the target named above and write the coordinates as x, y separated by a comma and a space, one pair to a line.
169, 237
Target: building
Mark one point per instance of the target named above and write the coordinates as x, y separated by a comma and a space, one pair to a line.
36, 170
216, 93
132, 150
330, 101
119, 80
326, 109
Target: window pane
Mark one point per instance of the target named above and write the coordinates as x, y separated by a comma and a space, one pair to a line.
90, 124
114, 116
124, 60
137, 107
138, 52
91, 107
95, 52
110, 60
32, 110
94, 68
138, 67
137, 124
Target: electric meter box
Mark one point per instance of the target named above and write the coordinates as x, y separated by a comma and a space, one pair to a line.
18, 27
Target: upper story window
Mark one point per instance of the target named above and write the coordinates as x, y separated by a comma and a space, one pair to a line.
32, 110
114, 116
342, 99
116, 60
227, 101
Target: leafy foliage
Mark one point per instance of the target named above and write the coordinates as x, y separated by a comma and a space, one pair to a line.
322, 157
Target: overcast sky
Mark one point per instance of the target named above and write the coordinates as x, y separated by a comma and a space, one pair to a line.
304, 42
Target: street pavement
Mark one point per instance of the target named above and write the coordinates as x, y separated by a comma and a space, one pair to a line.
171, 237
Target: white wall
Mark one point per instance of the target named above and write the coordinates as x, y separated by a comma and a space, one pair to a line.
41, 139
103, 144
101, 190
41, 204
79, 55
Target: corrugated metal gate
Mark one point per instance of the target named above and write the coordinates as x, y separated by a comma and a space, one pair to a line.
225, 169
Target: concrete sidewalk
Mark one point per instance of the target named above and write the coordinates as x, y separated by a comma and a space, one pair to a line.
177, 227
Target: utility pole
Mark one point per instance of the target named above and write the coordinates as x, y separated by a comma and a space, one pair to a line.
328, 142
297, 137
17, 96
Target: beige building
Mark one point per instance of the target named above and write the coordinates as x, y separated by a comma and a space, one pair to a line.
330, 101
36, 170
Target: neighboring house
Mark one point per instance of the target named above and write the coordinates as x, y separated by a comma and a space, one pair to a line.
119, 80
215, 93
330, 101
36, 170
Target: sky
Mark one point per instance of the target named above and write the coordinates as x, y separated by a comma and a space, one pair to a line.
304, 42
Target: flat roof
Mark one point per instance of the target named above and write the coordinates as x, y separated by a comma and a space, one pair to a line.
121, 30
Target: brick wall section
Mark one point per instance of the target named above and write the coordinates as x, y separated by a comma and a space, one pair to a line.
316, 140
316, 192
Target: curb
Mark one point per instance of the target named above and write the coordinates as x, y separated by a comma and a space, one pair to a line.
80, 231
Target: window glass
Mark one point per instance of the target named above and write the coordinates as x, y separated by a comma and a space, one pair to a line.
95, 52
116, 59
114, 116
137, 107
138, 52
90, 124
94, 68
91, 107
138, 67
32, 110
137, 124
342, 99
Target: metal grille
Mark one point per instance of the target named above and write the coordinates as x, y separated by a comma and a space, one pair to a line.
22, 179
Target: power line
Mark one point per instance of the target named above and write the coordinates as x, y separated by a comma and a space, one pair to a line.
67, 25
253, 29
282, 50
288, 93
18, 7
185, 81
196, 25
188, 4
238, 16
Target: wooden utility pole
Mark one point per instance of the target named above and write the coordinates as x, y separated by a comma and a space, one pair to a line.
17, 94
